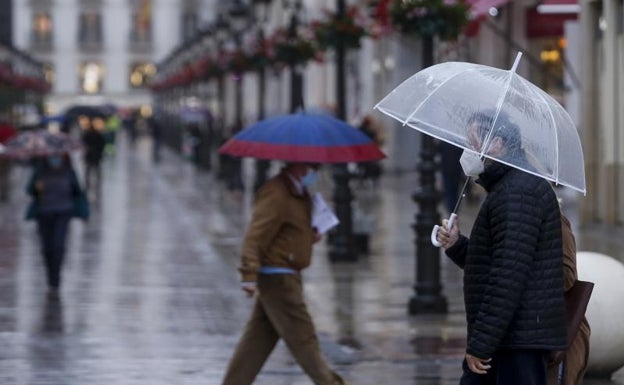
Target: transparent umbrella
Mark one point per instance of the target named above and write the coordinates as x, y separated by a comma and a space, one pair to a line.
445, 99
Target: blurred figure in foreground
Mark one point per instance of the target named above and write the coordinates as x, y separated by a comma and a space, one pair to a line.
56, 198
576, 356
277, 246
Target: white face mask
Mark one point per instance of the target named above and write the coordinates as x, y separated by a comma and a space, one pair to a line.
471, 163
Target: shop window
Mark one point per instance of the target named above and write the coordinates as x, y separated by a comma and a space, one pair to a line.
140, 74
42, 29
91, 77
48, 73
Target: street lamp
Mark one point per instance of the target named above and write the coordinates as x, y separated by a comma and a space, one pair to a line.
261, 13
341, 241
239, 20
296, 79
427, 296
221, 29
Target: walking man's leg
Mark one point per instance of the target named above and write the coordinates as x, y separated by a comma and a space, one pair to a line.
254, 347
289, 315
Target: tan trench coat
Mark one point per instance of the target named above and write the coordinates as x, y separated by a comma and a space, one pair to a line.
575, 361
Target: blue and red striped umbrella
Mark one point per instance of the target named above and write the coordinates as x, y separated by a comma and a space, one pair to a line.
303, 137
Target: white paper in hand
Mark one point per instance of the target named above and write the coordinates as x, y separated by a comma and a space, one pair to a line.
323, 218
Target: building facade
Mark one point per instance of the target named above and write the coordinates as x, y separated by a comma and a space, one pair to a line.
603, 110
103, 51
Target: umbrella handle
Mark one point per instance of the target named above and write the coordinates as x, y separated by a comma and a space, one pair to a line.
434, 232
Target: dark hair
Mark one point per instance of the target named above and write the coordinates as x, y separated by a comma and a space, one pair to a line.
503, 128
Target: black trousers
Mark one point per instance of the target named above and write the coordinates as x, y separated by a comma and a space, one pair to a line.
93, 171
53, 233
511, 367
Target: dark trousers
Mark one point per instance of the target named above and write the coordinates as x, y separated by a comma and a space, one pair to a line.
92, 171
53, 233
511, 367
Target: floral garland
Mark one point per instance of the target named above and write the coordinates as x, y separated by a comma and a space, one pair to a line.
336, 30
294, 50
443, 18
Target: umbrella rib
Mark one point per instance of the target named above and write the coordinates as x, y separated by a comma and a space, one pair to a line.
552, 118
434, 91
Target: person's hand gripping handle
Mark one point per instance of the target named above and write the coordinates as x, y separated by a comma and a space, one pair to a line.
436, 228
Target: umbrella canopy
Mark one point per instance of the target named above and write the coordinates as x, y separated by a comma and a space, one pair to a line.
445, 99
303, 137
53, 119
7, 131
90, 111
36, 143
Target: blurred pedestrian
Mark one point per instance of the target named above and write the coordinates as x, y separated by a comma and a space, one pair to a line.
113, 124
513, 280
452, 175
155, 127
574, 359
277, 246
94, 143
7, 131
56, 198
370, 170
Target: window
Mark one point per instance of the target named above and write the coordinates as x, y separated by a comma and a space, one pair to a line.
90, 28
140, 74
190, 21
49, 73
142, 23
91, 76
42, 29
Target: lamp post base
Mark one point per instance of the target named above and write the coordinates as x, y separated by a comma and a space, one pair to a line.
427, 305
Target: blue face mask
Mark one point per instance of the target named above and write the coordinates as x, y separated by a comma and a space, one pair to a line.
310, 178
55, 161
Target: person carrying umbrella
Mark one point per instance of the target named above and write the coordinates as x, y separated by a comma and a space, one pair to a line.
277, 246
56, 198
7, 131
513, 281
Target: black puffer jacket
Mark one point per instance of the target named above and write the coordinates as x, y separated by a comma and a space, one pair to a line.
513, 266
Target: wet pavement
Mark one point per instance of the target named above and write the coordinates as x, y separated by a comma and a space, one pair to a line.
150, 290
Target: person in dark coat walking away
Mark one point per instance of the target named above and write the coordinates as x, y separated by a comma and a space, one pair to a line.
94, 143
56, 198
513, 269
277, 246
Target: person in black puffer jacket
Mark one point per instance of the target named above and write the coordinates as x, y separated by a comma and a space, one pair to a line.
513, 269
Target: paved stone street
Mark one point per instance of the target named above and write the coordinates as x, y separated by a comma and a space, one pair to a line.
150, 290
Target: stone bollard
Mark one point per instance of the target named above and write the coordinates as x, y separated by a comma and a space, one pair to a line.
605, 312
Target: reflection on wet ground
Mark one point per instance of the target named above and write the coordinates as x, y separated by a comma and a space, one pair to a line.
150, 292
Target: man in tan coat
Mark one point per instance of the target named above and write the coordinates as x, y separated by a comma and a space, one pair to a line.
577, 354
277, 246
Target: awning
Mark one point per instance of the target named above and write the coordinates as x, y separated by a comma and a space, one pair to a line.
548, 18
559, 7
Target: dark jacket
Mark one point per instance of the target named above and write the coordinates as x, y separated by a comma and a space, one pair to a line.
79, 203
513, 270
94, 143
